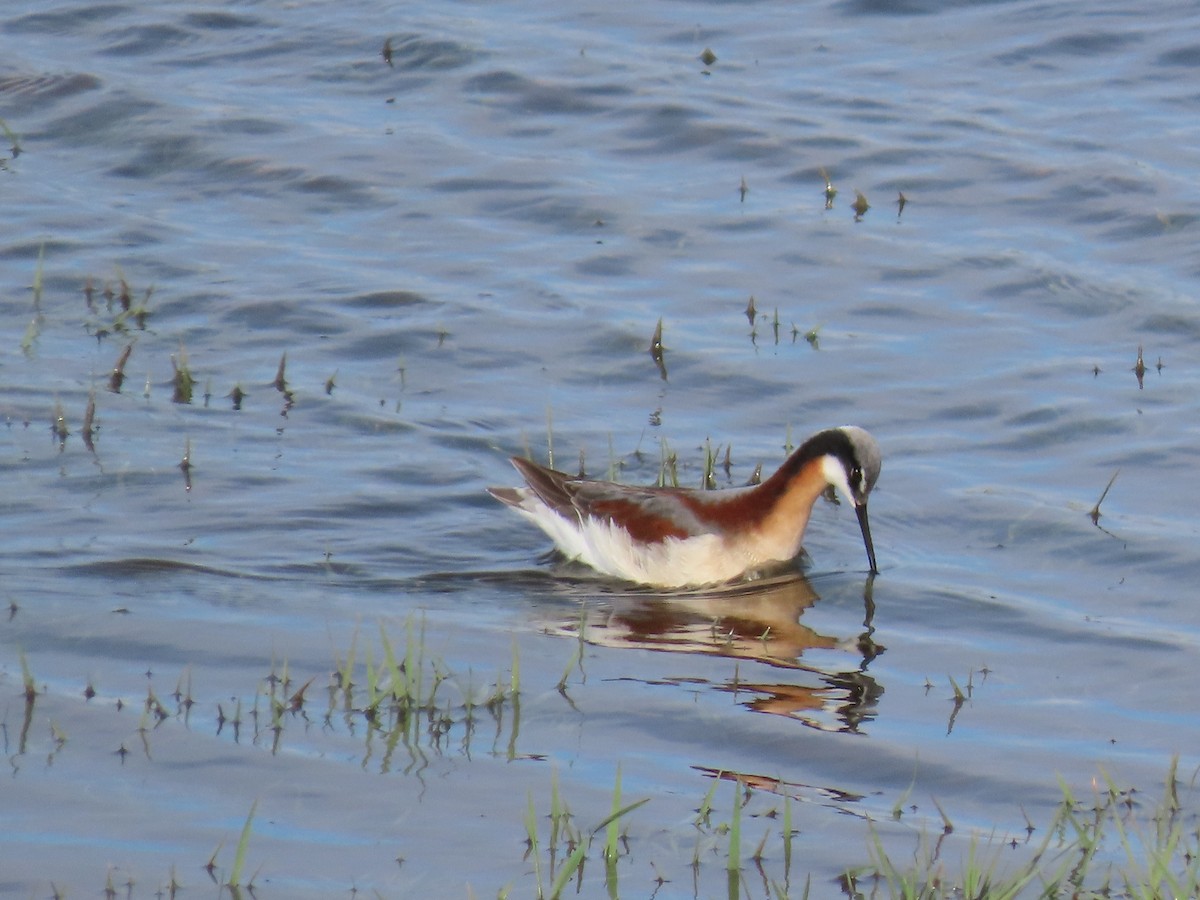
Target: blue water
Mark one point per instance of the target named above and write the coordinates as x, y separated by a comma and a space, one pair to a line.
463, 255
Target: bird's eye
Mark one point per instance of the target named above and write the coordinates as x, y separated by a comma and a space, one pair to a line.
856, 476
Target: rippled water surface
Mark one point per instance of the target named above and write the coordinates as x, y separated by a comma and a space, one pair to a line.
414, 267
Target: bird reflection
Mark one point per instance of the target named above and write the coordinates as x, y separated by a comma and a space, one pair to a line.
759, 622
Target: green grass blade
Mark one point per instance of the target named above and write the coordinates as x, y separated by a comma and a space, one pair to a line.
38, 274
239, 857
735, 831
610, 842
569, 867
704, 813
515, 680
612, 818
399, 685
787, 836
534, 850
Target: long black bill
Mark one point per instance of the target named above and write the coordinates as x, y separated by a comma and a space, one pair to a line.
861, 509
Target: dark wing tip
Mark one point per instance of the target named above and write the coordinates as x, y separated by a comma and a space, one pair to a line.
506, 495
549, 485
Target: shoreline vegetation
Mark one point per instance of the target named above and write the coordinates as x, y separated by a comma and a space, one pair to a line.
1111, 841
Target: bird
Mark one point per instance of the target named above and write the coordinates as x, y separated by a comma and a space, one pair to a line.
683, 538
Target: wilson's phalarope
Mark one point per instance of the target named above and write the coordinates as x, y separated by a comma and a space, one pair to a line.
676, 537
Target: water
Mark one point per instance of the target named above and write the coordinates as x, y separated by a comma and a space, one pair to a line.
463, 255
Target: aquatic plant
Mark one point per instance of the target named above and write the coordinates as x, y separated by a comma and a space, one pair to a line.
182, 382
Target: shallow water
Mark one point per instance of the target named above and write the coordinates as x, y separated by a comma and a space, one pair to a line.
462, 255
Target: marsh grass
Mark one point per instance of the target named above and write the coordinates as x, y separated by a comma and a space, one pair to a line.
120, 314
830, 191
34, 329
243, 845
1094, 512
31, 695
59, 427
734, 863
391, 690
1102, 846
576, 660
14, 141
414, 701
1106, 845
704, 813
668, 470
566, 848
405, 697
183, 383
658, 351
711, 455
860, 205
703, 466
117, 377
280, 381
88, 429
612, 833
